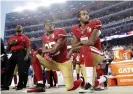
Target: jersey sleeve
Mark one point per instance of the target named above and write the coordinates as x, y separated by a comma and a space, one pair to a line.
75, 32
8, 41
43, 38
72, 31
27, 41
60, 33
96, 24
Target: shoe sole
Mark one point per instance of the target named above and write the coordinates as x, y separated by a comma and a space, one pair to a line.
87, 91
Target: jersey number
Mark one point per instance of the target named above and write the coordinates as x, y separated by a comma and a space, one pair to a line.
49, 45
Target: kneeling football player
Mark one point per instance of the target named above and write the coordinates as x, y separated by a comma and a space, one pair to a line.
53, 56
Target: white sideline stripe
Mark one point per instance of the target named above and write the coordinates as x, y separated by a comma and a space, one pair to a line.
124, 61
120, 76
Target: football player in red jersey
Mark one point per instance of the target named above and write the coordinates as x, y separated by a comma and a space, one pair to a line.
53, 55
86, 39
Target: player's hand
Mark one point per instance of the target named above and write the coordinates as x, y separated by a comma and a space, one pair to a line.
47, 56
86, 42
2, 57
26, 58
13, 43
40, 52
76, 48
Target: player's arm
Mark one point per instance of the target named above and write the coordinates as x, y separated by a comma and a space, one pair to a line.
76, 45
92, 39
95, 33
75, 42
70, 52
75, 62
56, 47
28, 49
28, 46
8, 46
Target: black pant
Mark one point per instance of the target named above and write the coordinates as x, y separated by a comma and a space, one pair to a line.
3, 67
17, 58
26, 72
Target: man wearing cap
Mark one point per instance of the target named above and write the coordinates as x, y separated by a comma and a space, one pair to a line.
53, 55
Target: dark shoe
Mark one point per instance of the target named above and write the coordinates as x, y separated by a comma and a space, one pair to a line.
5, 88
14, 87
24, 86
56, 86
98, 89
19, 88
87, 86
2, 86
92, 89
83, 82
86, 91
38, 88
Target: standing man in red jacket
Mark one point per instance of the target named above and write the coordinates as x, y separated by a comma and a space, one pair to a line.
19, 45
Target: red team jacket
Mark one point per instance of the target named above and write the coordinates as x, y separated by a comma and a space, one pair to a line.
22, 40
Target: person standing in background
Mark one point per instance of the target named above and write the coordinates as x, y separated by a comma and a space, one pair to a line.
19, 45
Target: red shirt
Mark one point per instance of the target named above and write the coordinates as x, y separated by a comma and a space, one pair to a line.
85, 33
22, 40
50, 40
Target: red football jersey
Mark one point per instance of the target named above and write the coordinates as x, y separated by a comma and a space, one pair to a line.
84, 34
50, 41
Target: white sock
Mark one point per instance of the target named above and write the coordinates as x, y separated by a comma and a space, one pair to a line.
89, 73
102, 79
30, 82
40, 82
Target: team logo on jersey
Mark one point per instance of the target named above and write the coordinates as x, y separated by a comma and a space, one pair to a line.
88, 29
